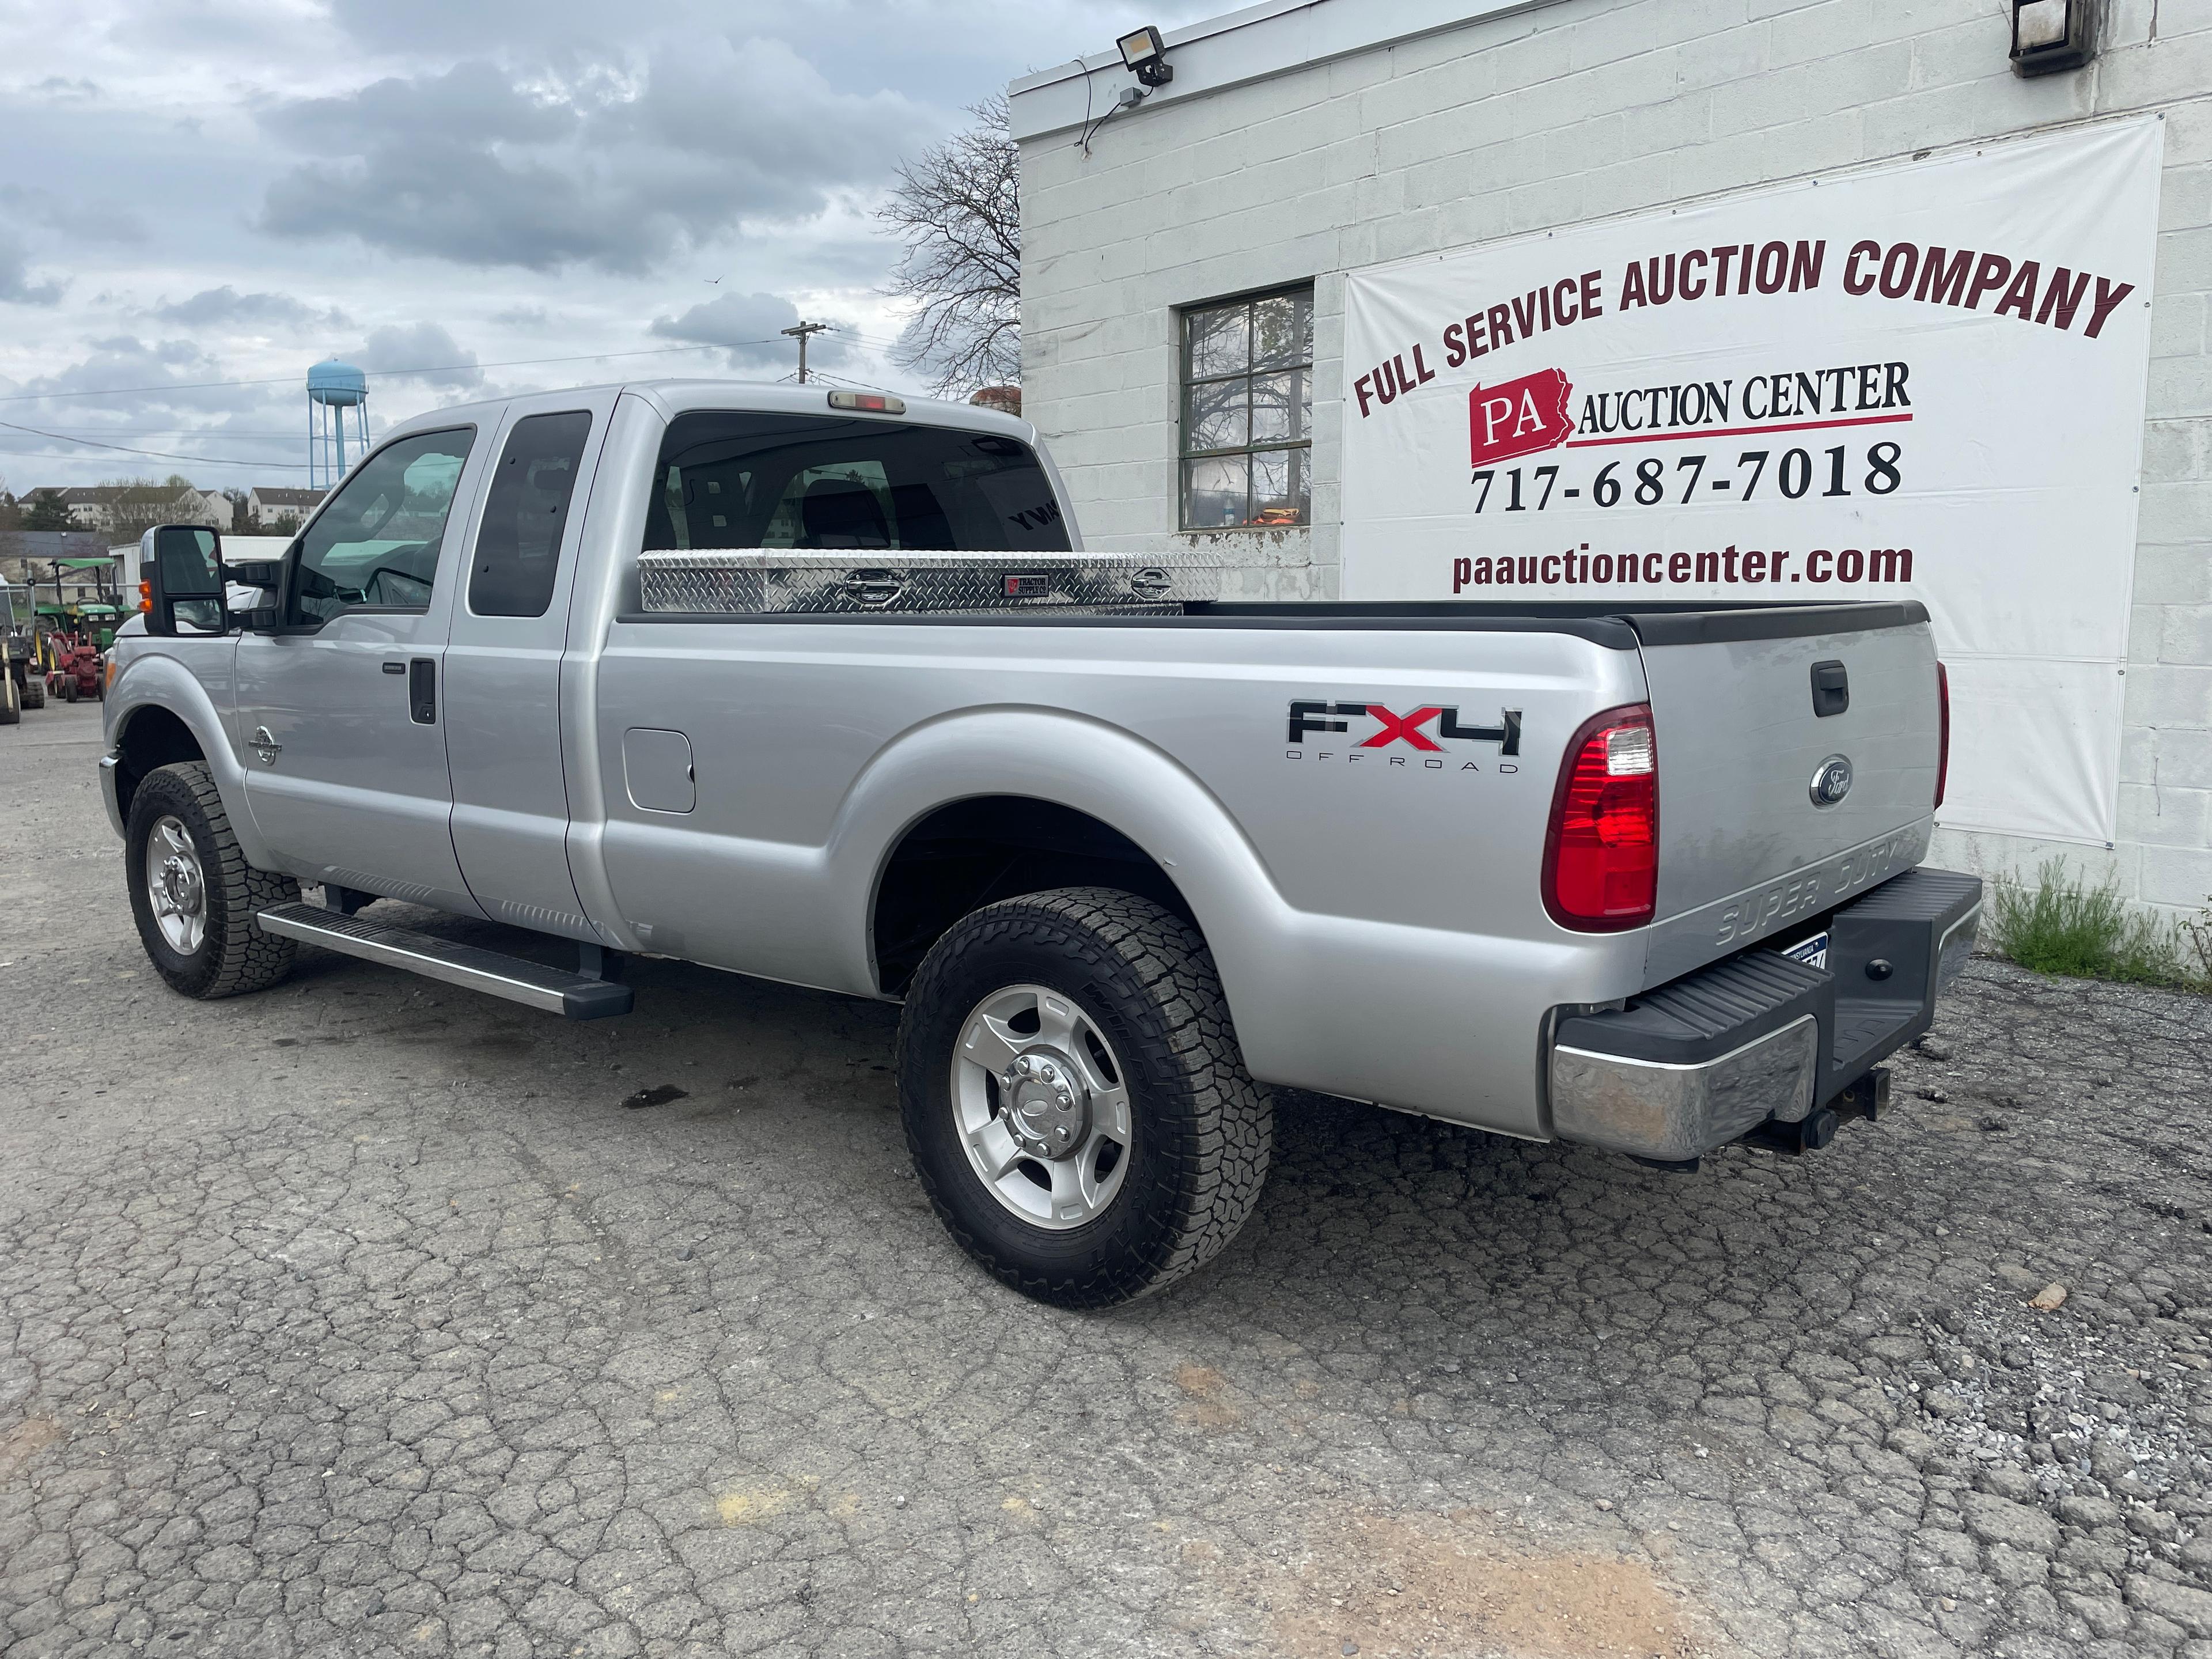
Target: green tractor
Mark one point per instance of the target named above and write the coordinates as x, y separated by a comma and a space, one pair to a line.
21, 685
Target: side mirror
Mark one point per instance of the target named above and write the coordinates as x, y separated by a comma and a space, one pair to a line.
180, 580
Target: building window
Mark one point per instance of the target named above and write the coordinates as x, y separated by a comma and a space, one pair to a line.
1248, 412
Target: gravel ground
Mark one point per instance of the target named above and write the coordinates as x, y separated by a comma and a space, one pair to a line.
367, 1316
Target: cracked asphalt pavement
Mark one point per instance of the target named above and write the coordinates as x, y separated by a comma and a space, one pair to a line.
367, 1316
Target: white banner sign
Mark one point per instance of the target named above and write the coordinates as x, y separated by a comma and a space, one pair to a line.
1923, 380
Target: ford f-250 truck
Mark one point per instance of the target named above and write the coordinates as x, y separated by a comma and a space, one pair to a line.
824, 689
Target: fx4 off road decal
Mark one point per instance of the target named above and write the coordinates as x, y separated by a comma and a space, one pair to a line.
1425, 730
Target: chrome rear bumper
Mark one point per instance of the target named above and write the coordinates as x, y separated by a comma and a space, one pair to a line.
1670, 1111
1758, 1038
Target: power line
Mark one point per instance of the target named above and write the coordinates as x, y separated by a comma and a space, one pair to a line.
868, 339
157, 454
805, 372
79, 455
813, 374
222, 434
384, 374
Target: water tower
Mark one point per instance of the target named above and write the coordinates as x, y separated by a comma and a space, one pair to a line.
333, 388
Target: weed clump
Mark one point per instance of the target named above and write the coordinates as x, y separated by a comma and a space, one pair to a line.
2062, 925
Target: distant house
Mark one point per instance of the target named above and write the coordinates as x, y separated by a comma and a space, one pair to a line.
106, 507
40, 510
266, 507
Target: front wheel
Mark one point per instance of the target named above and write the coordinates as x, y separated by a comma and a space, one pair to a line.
1074, 1099
192, 893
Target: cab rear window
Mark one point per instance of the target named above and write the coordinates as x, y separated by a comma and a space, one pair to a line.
824, 484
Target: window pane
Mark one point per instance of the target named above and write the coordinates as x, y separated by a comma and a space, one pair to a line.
1282, 330
1220, 340
827, 507
519, 549
377, 543
1213, 492
751, 480
1282, 406
1214, 416
1280, 489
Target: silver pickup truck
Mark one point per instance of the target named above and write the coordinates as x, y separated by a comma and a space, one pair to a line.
822, 688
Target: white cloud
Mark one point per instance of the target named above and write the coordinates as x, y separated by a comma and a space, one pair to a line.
749, 327
16, 286
488, 167
230, 190
226, 309
418, 354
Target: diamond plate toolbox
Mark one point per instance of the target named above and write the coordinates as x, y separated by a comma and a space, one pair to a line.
759, 582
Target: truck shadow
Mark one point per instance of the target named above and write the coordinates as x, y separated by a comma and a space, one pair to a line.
1370, 1217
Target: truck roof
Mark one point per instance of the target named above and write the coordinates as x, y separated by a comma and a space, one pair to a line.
675, 396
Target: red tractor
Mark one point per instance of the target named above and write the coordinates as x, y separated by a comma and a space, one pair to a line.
75, 670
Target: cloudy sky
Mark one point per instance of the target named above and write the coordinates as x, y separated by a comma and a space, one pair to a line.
195, 192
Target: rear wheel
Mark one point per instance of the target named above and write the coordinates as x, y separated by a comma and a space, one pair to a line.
1074, 1099
192, 893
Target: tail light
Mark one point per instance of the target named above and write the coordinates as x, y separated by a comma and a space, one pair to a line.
1601, 854
1943, 731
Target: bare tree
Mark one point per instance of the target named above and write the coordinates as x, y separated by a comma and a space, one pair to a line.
957, 208
139, 504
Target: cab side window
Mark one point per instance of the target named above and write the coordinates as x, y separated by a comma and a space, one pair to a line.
526, 515
375, 545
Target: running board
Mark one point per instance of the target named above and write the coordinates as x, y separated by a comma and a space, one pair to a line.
554, 990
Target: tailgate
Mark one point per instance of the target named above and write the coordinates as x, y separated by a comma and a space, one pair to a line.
1746, 852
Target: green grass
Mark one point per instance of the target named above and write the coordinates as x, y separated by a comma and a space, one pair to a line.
2064, 925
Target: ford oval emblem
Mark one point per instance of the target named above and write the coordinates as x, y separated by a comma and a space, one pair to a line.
1833, 782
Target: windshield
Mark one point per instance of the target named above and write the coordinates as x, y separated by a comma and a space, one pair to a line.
823, 482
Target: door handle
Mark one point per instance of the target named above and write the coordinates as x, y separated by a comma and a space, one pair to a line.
395, 668
422, 691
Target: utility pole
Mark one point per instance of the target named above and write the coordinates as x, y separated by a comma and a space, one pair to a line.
801, 332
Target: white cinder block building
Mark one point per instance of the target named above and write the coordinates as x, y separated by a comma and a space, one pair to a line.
1193, 265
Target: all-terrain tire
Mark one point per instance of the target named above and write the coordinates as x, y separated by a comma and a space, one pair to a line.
234, 957
1202, 1128
35, 692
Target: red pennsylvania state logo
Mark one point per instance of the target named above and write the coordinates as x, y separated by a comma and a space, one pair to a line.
1519, 417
